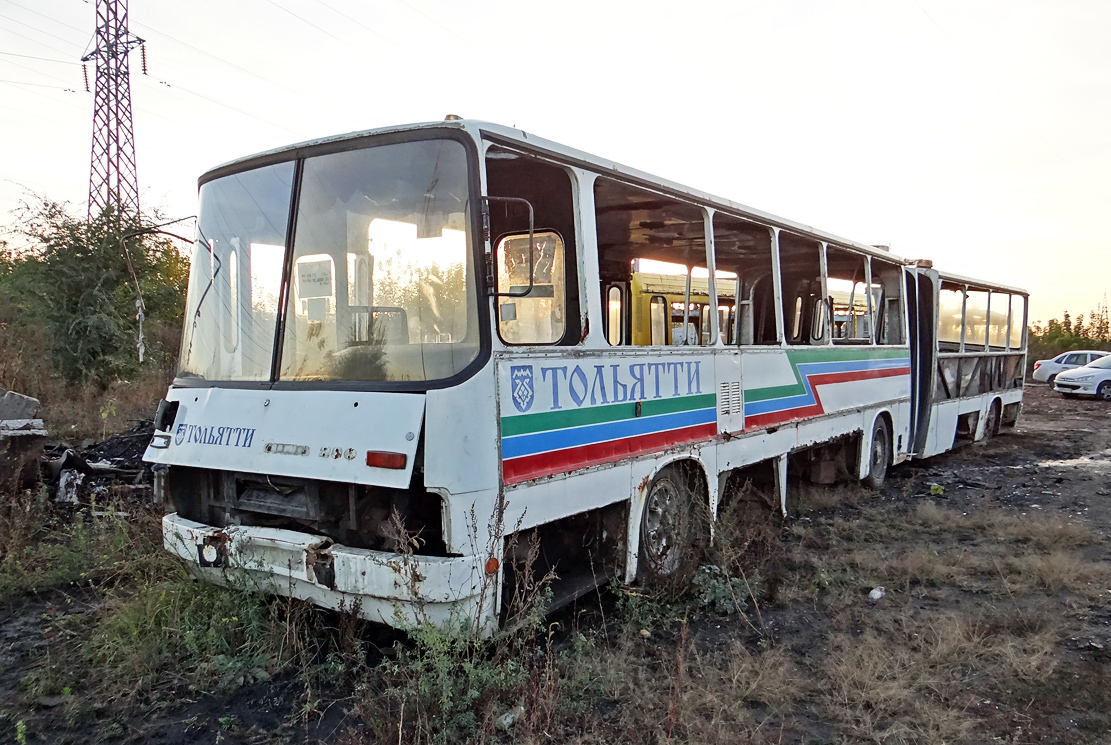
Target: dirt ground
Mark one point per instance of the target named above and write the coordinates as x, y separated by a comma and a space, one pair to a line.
994, 561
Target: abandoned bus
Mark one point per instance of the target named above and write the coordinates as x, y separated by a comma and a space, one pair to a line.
408, 349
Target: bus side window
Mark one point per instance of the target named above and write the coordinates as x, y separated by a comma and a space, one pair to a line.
801, 282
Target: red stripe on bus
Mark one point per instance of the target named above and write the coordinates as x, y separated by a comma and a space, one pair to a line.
816, 409
568, 459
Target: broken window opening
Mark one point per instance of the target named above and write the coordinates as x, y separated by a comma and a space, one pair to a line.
746, 295
655, 246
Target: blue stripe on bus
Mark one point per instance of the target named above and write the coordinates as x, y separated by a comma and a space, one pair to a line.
807, 369
542, 442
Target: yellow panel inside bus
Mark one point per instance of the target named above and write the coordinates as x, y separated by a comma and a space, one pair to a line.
644, 286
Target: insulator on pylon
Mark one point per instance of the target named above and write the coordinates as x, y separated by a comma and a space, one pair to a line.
143, 52
85, 72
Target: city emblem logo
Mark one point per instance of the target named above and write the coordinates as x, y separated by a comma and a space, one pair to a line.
179, 436
523, 393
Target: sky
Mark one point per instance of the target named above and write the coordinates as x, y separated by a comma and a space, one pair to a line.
975, 133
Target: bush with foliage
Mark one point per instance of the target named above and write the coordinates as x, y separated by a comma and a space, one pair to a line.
68, 289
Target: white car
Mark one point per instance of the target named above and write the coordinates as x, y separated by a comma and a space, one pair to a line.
1093, 379
1046, 370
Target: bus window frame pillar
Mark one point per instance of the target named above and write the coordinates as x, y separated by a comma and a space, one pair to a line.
871, 303
827, 308
777, 290
590, 281
711, 279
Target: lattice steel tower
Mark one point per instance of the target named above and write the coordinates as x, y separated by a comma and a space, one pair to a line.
113, 180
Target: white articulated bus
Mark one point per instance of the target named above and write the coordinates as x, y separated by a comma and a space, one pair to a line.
405, 347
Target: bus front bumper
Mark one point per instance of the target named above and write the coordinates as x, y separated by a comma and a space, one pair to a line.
395, 589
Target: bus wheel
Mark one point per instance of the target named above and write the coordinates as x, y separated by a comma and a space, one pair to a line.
880, 457
672, 531
991, 424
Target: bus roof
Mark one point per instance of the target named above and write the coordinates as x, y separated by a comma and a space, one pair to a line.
512, 137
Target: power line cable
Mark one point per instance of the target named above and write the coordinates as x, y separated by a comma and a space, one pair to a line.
36, 28
37, 72
35, 41
360, 24
49, 18
40, 85
221, 60
326, 32
174, 86
433, 20
41, 59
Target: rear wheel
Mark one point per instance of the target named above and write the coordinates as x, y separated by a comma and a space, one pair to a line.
1050, 379
879, 457
672, 530
1104, 390
991, 424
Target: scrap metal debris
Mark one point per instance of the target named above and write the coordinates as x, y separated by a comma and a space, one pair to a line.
22, 435
107, 471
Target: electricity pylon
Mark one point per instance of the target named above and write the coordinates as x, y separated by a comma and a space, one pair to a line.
113, 180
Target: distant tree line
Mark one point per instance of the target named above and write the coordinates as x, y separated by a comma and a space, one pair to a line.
68, 291
1092, 332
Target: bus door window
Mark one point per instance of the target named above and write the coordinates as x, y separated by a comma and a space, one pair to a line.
743, 257
801, 274
535, 304
550, 313
654, 246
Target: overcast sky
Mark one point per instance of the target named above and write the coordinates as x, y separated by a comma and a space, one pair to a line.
976, 134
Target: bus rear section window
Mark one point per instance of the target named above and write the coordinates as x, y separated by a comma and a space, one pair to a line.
533, 309
656, 247
1018, 321
850, 298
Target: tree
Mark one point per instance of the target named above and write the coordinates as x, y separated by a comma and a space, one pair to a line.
71, 281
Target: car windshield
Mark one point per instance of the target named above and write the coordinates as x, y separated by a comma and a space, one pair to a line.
1103, 363
381, 285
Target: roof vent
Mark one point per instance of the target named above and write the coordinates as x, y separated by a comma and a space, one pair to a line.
453, 118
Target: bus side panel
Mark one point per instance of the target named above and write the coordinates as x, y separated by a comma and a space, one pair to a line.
782, 386
461, 458
943, 428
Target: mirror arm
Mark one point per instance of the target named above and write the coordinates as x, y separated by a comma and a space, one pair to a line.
531, 245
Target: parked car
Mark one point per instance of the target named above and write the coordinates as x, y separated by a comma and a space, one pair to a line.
1046, 370
1094, 379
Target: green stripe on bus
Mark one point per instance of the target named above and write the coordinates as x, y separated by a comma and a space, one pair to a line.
525, 424
804, 356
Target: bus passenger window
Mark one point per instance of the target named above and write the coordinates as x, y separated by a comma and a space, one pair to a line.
532, 308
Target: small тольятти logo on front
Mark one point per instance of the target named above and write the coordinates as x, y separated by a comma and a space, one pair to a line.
523, 394
239, 437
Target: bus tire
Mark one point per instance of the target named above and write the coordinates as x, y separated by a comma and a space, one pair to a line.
672, 530
991, 424
879, 454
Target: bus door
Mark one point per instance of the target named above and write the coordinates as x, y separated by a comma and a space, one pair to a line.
921, 293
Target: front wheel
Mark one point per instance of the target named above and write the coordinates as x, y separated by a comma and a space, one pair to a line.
880, 454
672, 531
1104, 390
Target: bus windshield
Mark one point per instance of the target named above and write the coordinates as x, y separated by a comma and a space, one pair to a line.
381, 283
